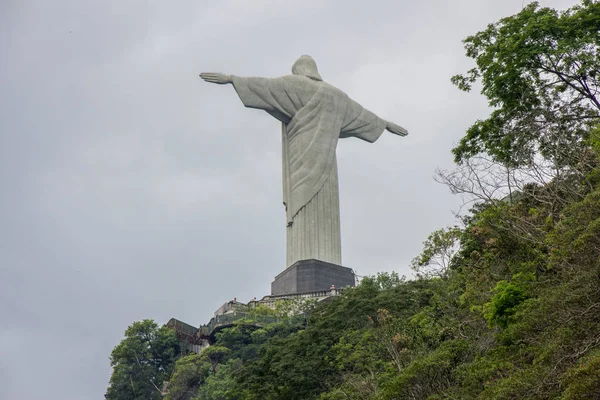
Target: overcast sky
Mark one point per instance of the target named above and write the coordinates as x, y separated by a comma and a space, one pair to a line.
131, 189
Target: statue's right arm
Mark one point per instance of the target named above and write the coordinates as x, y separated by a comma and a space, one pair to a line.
215, 77
396, 129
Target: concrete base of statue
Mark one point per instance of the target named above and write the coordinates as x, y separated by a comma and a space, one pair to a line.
311, 276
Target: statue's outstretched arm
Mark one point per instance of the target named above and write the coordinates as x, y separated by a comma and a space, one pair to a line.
395, 129
215, 77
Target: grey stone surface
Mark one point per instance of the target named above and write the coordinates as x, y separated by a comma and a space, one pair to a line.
311, 276
314, 115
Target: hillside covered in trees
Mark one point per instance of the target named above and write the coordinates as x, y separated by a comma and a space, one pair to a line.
505, 306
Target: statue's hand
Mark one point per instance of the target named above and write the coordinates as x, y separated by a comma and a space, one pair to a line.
396, 129
215, 77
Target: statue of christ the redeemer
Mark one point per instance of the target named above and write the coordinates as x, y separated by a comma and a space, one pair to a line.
314, 114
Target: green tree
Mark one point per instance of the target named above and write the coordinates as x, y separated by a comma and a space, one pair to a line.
216, 355
539, 69
142, 362
507, 297
190, 373
438, 250
222, 385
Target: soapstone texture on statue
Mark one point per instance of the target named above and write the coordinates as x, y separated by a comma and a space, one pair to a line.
314, 115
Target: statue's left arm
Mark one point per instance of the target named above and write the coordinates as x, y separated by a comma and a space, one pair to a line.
216, 77
273, 95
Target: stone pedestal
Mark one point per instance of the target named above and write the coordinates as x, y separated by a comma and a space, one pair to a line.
311, 276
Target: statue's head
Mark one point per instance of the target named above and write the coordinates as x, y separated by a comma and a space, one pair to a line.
306, 66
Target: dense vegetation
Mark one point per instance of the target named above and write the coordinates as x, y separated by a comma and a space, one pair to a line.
504, 306
142, 361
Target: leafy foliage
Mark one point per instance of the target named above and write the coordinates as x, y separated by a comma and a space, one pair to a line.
142, 362
539, 69
438, 250
505, 301
190, 373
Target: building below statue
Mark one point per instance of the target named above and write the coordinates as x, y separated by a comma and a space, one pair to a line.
307, 276
305, 280
194, 339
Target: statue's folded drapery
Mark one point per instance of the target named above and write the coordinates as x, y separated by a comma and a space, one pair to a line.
314, 114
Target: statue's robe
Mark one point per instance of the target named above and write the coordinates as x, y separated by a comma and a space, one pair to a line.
314, 115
